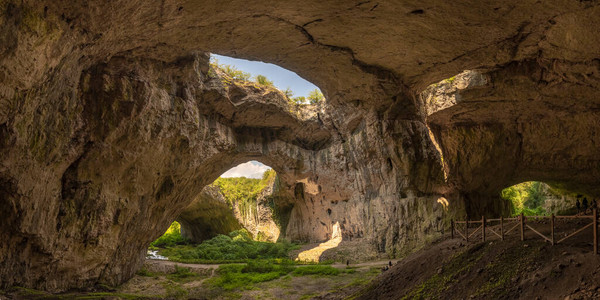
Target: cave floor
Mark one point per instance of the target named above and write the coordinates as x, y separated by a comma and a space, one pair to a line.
448, 269
495, 269
157, 280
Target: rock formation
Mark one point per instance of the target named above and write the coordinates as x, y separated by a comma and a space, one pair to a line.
111, 123
208, 215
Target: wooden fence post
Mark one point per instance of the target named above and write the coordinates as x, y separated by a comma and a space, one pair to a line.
595, 213
452, 228
552, 228
522, 219
502, 228
483, 228
467, 230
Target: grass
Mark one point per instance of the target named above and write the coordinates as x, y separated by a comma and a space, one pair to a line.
183, 275
317, 270
144, 272
235, 276
245, 276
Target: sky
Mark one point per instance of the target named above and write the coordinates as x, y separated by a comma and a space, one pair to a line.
251, 169
281, 77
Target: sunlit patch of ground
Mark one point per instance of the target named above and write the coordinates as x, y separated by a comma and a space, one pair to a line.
314, 254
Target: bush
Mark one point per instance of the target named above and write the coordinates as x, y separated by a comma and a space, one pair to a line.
237, 247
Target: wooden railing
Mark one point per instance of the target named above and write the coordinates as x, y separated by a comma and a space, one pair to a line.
521, 222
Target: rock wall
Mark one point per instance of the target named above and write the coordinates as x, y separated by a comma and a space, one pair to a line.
111, 123
208, 215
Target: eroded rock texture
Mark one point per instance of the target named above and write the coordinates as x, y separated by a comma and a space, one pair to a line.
208, 215
111, 123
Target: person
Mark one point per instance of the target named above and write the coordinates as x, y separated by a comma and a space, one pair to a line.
594, 204
347, 262
390, 263
578, 206
584, 205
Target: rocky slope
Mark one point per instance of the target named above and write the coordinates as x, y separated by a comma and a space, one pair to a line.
111, 123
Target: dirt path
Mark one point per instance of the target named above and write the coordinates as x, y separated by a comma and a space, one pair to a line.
165, 266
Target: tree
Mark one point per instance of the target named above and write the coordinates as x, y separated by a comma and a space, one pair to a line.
288, 93
299, 100
315, 96
262, 80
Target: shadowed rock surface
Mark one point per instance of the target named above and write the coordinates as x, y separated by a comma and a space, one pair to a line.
111, 123
208, 215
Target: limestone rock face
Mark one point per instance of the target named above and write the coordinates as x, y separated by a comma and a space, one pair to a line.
208, 215
111, 123
259, 221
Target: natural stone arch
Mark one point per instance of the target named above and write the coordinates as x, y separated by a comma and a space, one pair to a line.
379, 137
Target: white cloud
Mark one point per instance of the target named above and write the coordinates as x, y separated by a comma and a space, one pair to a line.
251, 169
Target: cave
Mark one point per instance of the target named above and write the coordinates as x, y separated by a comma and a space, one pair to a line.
112, 120
218, 209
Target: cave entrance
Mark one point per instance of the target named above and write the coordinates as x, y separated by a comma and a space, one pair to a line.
231, 219
536, 198
296, 89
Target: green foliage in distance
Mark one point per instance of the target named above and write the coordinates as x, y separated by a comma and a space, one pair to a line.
526, 197
171, 237
262, 80
244, 191
315, 97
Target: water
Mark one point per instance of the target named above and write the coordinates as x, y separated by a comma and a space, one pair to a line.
153, 254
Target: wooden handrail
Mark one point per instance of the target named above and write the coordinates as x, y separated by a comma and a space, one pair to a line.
543, 236
521, 221
494, 232
576, 232
515, 226
458, 231
476, 229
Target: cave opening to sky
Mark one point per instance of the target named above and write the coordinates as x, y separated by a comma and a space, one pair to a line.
284, 80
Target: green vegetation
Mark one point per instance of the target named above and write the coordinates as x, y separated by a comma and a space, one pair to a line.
526, 197
244, 276
315, 97
237, 247
243, 192
262, 80
319, 270
183, 275
298, 100
171, 238
230, 71
288, 93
